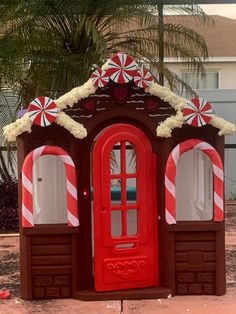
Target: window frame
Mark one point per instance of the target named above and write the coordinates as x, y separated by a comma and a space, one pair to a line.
170, 176
218, 71
27, 185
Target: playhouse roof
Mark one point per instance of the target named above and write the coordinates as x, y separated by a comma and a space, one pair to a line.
119, 69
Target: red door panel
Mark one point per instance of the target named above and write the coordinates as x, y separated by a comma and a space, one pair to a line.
125, 228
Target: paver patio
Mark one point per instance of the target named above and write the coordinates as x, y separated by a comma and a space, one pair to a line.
9, 278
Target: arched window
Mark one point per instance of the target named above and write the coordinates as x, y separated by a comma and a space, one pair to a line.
197, 190
43, 179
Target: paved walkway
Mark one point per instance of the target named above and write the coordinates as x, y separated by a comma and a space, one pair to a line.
177, 305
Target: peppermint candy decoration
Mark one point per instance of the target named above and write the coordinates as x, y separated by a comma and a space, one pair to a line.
143, 78
43, 111
122, 68
100, 78
198, 112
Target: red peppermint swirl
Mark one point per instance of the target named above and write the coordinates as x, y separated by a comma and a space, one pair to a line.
143, 78
198, 112
100, 78
122, 68
43, 111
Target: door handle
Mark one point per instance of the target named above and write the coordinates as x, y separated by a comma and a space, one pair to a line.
85, 193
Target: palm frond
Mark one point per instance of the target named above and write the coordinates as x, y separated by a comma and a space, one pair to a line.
48, 47
9, 105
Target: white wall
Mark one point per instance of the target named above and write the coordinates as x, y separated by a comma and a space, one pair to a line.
224, 103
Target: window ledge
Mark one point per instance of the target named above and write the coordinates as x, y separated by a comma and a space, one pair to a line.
196, 226
50, 229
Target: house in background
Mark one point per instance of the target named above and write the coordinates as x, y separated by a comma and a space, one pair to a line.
218, 85
221, 64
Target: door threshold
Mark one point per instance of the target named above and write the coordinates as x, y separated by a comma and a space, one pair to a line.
133, 294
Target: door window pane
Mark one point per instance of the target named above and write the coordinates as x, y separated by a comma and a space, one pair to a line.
123, 189
115, 159
116, 223
115, 191
130, 158
49, 190
131, 191
132, 222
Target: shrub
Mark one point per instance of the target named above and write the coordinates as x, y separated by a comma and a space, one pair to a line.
9, 220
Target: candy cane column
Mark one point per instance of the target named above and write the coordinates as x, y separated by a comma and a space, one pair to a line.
27, 185
171, 174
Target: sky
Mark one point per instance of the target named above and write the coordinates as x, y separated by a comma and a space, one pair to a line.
228, 10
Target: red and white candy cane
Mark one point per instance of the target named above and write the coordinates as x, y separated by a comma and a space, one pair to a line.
99, 78
170, 176
27, 185
122, 68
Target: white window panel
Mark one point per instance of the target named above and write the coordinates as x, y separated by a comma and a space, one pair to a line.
49, 190
210, 80
194, 187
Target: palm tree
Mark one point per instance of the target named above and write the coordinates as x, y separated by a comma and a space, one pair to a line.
49, 46
9, 103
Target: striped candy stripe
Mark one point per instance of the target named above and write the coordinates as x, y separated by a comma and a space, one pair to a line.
27, 185
143, 78
43, 111
122, 68
198, 112
171, 174
100, 78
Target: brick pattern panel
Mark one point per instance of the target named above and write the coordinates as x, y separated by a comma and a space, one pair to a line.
51, 266
195, 263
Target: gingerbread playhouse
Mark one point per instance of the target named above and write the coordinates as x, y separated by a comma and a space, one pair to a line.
121, 190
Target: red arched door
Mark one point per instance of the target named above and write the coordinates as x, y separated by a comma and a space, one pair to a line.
125, 210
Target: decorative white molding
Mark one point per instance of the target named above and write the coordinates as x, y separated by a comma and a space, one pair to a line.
225, 127
11, 131
75, 95
75, 128
166, 127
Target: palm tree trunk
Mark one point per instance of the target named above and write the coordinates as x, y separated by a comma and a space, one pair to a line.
161, 44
